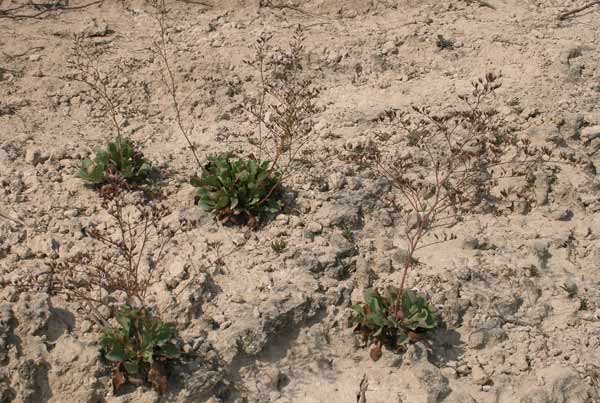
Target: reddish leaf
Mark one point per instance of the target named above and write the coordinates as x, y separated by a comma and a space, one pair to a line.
252, 222
375, 352
118, 379
158, 378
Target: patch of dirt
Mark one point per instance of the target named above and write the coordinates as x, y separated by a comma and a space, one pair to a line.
281, 321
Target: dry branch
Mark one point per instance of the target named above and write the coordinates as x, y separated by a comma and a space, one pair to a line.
21, 223
167, 76
570, 13
49, 8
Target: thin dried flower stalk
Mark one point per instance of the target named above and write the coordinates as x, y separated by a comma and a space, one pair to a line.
85, 67
285, 106
441, 166
168, 77
127, 256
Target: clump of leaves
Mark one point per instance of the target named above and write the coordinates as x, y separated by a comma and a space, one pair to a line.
279, 245
393, 319
238, 189
119, 160
142, 349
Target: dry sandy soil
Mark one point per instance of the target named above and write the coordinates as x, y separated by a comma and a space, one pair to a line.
280, 330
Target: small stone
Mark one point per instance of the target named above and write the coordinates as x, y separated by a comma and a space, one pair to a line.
282, 219
571, 124
238, 240
354, 183
415, 220
362, 276
383, 265
542, 187
96, 28
470, 243
570, 287
563, 215
4, 160
314, 228
479, 376
34, 156
530, 112
384, 244
568, 54
521, 207
400, 257
336, 181
389, 48
272, 378
85, 326
590, 133
541, 246
520, 361
575, 73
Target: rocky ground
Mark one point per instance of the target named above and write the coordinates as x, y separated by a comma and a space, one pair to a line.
280, 322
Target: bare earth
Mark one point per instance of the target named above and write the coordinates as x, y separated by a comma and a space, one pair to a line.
281, 322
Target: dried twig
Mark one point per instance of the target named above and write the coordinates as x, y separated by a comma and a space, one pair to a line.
128, 257
84, 66
168, 78
269, 4
570, 13
285, 106
21, 223
3, 69
41, 14
198, 3
12, 57
364, 385
482, 3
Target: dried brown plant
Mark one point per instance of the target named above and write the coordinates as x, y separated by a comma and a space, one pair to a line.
125, 256
284, 107
161, 49
87, 66
444, 165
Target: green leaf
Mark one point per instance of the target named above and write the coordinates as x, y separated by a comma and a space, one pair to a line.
232, 183
164, 334
402, 339
233, 203
222, 202
120, 157
149, 355
131, 367
169, 350
125, 321
116, 353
